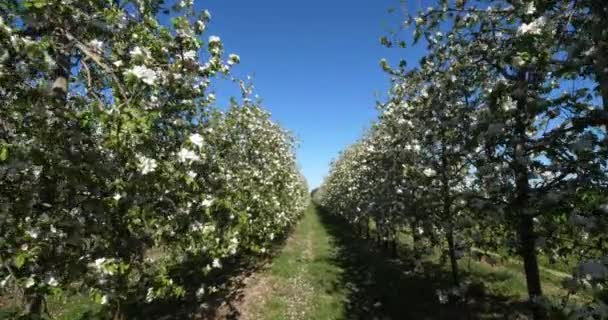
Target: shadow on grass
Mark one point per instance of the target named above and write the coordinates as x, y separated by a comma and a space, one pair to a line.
385, 288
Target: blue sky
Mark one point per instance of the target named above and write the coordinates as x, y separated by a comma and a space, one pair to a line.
315, 64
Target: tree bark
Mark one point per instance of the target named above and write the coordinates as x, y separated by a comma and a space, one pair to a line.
527, 236
453, 259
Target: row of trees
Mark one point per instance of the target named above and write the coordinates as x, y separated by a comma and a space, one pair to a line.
497, 139
117, 174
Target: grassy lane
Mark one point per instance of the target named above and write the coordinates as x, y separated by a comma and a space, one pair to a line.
303, 282
326, 272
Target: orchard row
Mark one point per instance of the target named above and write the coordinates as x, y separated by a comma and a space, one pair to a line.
495, 140
119, 177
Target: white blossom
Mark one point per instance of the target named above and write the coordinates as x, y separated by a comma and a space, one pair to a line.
96, 45
534, 27
214, 40
233, 59
190, 55
143, 73
429, 172
207, 14
5, 281
138, 52
192, 174
196, 139
51, 281
442, 296
200, 25
207, 203
150, 295
200, 292
508, 104
145, 164
187, 155
530, 8
30, 282
216, 263
34, 233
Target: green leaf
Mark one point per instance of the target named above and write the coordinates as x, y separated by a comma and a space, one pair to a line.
3, 153
19, 260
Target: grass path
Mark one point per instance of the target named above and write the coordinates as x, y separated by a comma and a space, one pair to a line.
324, 271
303, 280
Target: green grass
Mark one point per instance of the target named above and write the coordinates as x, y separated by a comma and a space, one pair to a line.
60, 307
303, 277
507, 278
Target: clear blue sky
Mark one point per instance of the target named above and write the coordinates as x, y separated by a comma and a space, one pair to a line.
315, 63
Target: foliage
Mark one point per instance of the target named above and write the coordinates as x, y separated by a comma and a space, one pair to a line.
497, 138
117, 172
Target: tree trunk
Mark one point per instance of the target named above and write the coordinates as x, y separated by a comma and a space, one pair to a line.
34, 304
415, 240
453, 259
528, 253
521, 204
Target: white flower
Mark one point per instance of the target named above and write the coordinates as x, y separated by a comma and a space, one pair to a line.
200, 292
263, 250
145, 164
211, 97
30, 282
186, 3
6, 279
150, 295
534, 27
216, 263
429, 172
192, 174
105, 299
214, 40
96, 45
399, 191
233, 59
200, 25
143, 73
207, 14
186, 155
33, 233
196, 139
190, 55
99, 262
272, 236
117, 197
138, 52
118, 63
508, 104
442, 296
207, 203
591, 51
51, 281
530, 8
